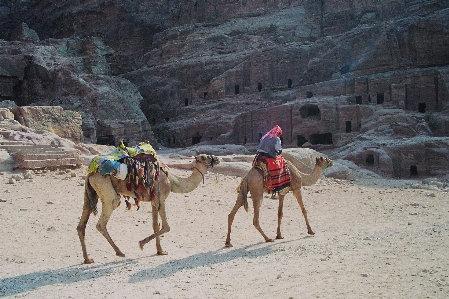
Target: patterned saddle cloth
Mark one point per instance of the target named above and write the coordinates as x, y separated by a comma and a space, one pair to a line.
275, 172
139, 165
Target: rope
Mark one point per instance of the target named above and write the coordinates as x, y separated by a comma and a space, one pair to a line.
199, 172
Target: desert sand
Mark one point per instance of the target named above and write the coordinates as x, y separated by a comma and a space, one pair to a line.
374, 238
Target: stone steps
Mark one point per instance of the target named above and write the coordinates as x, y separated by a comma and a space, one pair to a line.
32, 156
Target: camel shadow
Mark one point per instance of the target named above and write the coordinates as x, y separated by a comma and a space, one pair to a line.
15, 285
220, 255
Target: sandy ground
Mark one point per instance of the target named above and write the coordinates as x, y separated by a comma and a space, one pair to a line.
374, 239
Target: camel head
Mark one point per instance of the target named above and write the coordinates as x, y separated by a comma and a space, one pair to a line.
208, 160
324, 162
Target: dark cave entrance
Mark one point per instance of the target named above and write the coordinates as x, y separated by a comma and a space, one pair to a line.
309, 110
259, 87
422, 107
186, 102
369, 160
413, 170
380, 98
358, 100
348, 126
236, 89
300, 140
290, 83
196, 139
106, 140
324, 138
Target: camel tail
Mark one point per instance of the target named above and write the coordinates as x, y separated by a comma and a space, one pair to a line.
242, 191
90, 196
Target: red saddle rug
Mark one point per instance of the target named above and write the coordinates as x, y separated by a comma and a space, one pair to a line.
275, 172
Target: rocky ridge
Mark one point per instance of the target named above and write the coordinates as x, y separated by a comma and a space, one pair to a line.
194, 73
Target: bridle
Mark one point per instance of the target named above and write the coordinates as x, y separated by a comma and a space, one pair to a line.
208, 165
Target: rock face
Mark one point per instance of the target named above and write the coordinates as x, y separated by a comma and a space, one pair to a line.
65, 124
199, 72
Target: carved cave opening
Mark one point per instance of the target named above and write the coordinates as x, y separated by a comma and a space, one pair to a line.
205, 94
358, 100
348, 126
369, 161
236, 89
309, 110
196, 139
259, 87
309, 94
323, 138
260, 136
186, 102
380, 98
422, 107
290, 83
413, 170
106, 140
300, 140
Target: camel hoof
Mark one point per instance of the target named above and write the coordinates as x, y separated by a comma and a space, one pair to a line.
162, 252
141, 244
120, 254
279, 237
88, 261
269, 240
310, 232
228, 245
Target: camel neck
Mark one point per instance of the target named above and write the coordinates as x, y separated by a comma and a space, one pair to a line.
186, 185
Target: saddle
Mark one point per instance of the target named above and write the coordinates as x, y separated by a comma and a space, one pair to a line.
275, 172
138, 165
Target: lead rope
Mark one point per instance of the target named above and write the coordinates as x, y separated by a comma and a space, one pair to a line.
199, 172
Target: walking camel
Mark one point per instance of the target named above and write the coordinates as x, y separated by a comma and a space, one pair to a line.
254, 183
108, 189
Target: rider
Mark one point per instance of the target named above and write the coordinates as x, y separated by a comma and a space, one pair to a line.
270, 143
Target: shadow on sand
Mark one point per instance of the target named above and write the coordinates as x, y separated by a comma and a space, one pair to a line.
218, 256
15, 285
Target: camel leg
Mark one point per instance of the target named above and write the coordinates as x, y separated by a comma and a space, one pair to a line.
237, 206
257, 203
106, 213
81, 228
280, 215
156, 228
157, 233
298, 195
109, 200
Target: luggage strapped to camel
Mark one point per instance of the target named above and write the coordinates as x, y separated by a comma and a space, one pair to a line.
138, 165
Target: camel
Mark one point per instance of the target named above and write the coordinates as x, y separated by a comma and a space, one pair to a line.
254, 183
109, 189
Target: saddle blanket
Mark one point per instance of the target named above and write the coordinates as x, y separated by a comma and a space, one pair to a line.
275, 172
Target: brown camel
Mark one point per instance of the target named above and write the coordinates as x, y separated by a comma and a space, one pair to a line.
253, 182
109, 189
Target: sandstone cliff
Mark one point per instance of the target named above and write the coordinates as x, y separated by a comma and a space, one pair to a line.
180, 73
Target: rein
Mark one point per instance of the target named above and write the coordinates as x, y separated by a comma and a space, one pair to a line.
208, 165
199, 172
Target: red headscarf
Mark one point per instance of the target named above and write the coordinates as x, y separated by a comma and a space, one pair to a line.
275, 132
